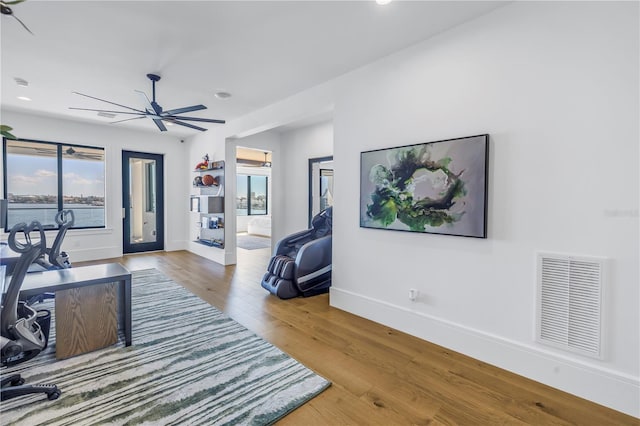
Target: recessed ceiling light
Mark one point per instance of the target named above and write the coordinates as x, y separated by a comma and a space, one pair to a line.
383, 2
222, 95
24, 98
21, 82
106, 114
168, 123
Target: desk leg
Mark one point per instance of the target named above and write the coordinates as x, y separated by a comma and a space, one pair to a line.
125, 309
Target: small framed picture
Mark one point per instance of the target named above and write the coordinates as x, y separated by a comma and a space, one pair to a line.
195, 204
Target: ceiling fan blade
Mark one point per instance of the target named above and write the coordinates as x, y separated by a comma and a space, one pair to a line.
202, 129
109, 102
160, 124
204, 120
141, 114
152, 107
128, 119
145, 101
185, 109
22, 23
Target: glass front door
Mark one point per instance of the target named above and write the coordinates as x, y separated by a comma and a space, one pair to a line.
142, 202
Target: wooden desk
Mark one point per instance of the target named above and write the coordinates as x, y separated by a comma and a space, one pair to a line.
36, 283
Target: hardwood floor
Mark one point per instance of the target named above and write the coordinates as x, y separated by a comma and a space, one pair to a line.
379, 376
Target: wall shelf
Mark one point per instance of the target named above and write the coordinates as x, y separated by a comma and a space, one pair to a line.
210, 243
207, 201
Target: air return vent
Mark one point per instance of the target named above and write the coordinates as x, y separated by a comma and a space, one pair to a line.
569, 306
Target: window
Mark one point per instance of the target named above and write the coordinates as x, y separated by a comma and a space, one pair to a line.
42, 178
326, 188
150, 184
251, 198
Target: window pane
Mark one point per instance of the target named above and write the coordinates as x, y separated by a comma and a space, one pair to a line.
32, 182
150, 181
241, 195
258, 185
45, 177
83, 185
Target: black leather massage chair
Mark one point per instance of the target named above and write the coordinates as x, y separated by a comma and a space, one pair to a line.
301, 263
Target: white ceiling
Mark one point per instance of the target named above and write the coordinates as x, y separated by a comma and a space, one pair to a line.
259, 51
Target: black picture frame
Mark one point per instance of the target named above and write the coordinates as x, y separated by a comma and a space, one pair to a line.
438, 187
195, 204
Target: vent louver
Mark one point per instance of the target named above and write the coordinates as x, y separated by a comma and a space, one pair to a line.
569, 306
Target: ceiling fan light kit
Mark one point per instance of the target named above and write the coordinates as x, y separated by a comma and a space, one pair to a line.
153, 110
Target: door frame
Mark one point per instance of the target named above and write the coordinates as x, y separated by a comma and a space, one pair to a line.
127, 246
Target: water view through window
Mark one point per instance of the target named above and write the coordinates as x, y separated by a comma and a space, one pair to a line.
42, 178
251, 198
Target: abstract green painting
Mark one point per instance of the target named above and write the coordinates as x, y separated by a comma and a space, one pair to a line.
435, 187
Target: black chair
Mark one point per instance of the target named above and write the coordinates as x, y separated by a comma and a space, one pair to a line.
54, 257
301, 263
21, 335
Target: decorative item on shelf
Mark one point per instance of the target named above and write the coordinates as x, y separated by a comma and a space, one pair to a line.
211, 242
204, 165
210, 222
208, 180
215, 165
213, 223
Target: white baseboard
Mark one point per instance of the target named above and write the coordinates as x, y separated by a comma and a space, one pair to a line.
96, 253
610, 388
176, 245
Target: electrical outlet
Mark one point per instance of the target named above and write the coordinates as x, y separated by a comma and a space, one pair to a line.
413, 294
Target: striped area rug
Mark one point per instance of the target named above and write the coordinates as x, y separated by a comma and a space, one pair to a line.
189, 364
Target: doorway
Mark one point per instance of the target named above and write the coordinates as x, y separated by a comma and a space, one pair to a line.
142, 202
253, 199
320, 185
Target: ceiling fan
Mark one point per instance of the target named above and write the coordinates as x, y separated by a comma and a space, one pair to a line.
6, 10
154, 111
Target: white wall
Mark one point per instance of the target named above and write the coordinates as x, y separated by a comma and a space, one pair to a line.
93, 244
556, 87
555, 84
298, 146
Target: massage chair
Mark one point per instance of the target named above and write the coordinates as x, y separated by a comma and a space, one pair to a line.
301, 262
23, 330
